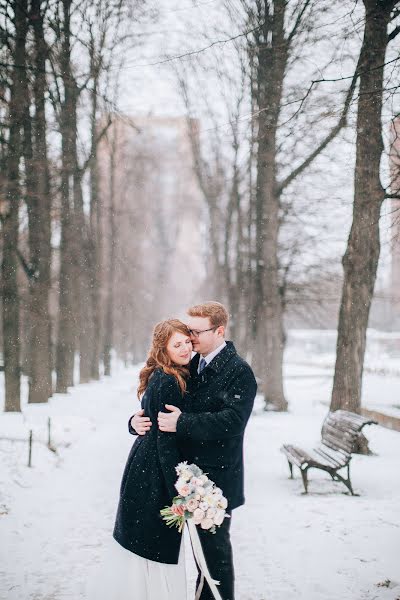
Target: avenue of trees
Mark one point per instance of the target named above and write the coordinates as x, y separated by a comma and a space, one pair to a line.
288, 83
59, 68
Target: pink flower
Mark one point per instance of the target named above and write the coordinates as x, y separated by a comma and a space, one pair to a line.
198, 516
196, 481
178, 509
192, 504
184, 490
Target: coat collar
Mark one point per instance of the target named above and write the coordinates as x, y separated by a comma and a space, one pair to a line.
218, 362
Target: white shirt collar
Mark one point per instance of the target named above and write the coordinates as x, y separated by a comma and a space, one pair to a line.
212, 354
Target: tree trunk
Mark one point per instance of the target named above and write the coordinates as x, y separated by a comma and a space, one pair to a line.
272, 59
66, 319
82, 282
109, 321
10, 223
360, 261
95, 244
39, 203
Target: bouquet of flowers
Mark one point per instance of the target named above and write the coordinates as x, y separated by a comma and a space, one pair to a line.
198, 499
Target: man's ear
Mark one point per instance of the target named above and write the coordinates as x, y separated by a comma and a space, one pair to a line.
221, 330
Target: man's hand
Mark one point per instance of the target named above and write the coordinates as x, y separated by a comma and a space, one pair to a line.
167, 421
140, 423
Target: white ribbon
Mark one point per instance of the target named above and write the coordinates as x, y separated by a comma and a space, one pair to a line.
201, 561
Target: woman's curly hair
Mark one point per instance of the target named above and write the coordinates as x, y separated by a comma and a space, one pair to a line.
159, 357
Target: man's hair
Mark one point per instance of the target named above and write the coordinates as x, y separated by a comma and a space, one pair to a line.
215, 311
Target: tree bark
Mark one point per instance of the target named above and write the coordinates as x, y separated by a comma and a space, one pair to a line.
39, 206
109, 321
66, 339
82, 281
11, 320
95, 241
360, 260
272, 60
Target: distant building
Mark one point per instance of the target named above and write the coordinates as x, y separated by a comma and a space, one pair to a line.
159, 219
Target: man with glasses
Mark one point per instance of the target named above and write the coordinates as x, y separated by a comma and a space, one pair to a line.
222, 388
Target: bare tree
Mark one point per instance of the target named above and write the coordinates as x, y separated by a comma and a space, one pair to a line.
39, 210
10, 213
360, 260
66, 338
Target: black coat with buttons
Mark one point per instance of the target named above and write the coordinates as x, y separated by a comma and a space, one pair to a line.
148, 480
211, 430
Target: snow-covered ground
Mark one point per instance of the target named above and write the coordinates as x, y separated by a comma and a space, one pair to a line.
311, 354
56, 517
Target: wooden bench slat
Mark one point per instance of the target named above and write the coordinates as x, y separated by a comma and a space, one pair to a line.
357, 420
336, 461
336, 444
339, 430
341, 425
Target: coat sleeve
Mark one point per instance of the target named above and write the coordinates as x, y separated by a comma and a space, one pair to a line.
231, 419
167, 443
130, 428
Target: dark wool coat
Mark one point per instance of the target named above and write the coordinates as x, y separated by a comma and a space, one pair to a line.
148, 480
211, 432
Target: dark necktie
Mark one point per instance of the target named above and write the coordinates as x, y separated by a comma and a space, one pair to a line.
202, 364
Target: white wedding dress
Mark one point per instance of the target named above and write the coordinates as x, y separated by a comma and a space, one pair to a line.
122, 575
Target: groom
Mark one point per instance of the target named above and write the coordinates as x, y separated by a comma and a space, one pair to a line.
221, 390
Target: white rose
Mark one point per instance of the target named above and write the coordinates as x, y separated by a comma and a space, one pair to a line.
211, 512
186, 475
180, 483
223, 502
210, 500
219, 517
203, 478
206, 523
204, 505
218, 493
201, 491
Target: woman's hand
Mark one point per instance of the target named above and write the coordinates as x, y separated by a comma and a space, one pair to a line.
167, 421
140, 423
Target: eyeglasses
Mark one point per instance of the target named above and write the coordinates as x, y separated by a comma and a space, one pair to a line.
196, 333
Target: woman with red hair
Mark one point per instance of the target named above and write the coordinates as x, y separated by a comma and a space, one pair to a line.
148, 561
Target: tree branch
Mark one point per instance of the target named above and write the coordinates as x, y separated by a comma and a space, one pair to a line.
341, 123
99, 138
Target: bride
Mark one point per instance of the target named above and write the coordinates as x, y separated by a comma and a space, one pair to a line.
146, 558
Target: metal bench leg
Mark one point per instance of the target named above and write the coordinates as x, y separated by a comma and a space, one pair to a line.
290, 469
305, 481
347, 482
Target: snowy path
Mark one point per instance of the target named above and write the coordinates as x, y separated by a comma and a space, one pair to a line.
55, 517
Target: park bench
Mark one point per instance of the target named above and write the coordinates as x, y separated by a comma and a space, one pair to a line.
339, 435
